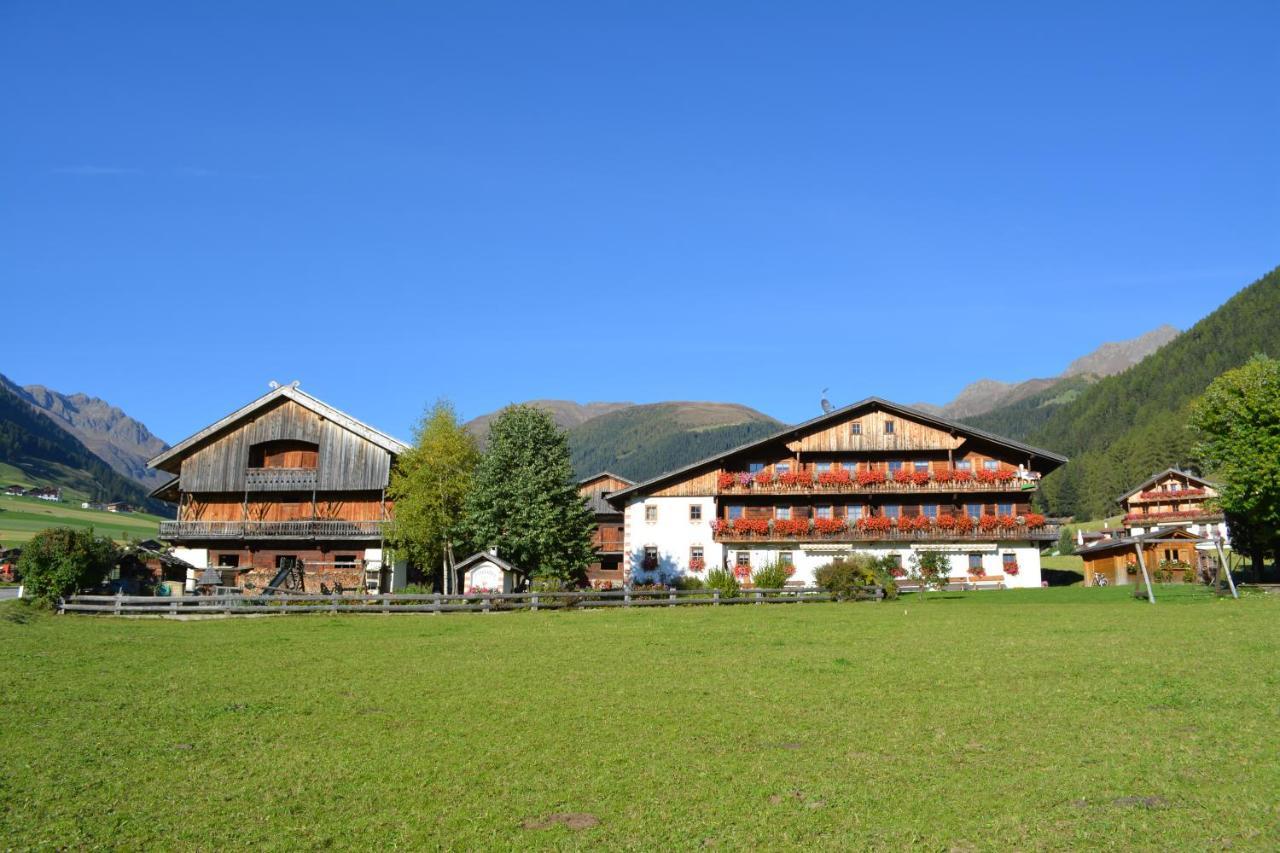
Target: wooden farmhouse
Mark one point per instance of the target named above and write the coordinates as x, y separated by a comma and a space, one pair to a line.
875, 477
606, 569
285, 493
1173, 498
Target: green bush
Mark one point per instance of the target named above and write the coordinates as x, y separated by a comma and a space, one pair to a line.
848, 577
690, 582
772, 575
724, 581
60, 561
548, 584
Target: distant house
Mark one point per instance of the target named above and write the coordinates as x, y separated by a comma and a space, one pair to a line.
1174, 498
45, 493
15, 491
91, 505
119, 506
487, 572
606, 570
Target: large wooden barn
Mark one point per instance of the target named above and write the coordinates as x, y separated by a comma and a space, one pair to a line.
284, 493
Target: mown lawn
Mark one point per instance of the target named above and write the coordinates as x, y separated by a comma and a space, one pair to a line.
1027, 719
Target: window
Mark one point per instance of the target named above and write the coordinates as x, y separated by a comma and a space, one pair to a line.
894, 467
345, 561
650, 558
964, 465
894, 560
892, 511
755, 467
695, 512
930, 510
651, 513
782, 468
284, 560
973, 510
990, 465
855, 428
849, 465
823, 467
1004, 509
783, 513
853, 512
695, 553
1009, 561
228, 561
735, 511
975, 564
922, 465
784, 559
825, 512
888, 427
1170, 554
743, 558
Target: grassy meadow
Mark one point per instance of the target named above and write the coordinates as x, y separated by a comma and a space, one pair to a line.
22, 517
1027, 719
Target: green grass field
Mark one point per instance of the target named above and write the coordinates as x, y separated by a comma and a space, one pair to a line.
1021, 719
21, 518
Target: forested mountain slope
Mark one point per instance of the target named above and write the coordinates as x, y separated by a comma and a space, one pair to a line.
1124, 428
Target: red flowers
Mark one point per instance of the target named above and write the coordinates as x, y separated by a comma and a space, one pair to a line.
943, 474
988, 523
791, 526
1174, 495
1011, 568
742, 571
835, 477
963, 523
946, 521
829, 525
920, 478
902, 475
870, 478
875, 524
758, 526
913, 522
763, 477
962, 476
1034, 520
697, 564
1008, 522
803, 477
726, 480
985, 476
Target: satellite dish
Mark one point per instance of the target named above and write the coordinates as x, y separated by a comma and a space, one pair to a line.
826, 404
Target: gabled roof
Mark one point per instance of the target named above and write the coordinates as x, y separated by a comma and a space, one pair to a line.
483, 556
835, 415
302, 398
1151, 481
601, 474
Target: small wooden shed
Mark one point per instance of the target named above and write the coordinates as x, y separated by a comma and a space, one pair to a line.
1170, 555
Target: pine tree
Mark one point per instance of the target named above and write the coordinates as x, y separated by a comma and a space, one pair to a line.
525, 502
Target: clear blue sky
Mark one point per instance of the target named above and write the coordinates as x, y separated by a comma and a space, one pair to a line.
617, 201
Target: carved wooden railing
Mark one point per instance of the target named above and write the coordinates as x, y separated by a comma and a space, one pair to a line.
310, 529
1046, 532
280, 479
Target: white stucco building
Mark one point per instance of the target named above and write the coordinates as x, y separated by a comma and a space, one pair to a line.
875, 478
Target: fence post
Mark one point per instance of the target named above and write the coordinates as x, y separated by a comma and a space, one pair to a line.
534, 602
333, 607
436, 603
758, 596
715, 597
173, 606
671, 597
626, 596
386, 607
487, 599
119, 595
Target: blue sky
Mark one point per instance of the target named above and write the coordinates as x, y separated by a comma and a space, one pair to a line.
617, 201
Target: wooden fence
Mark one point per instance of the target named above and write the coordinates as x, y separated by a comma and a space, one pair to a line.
147, 605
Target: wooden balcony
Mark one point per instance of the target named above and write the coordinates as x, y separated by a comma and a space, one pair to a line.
280, 479
607, 544
813, 485
1166, 497
1048, 532
1190, 515
310, 529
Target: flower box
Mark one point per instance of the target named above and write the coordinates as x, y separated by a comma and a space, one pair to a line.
791, 526
697, 564
726, 480
829, 525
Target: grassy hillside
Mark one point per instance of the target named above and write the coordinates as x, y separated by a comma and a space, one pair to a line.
48, 455
643, 441
1126, 427
1050, 719
21, 518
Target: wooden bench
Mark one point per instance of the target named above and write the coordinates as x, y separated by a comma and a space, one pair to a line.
981, 581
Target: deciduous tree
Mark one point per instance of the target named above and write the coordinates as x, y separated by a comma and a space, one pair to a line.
525, 501
1237, 426
61, 560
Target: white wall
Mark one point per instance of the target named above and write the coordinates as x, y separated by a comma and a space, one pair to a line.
490, 576
807, 562
198, 557
673, 534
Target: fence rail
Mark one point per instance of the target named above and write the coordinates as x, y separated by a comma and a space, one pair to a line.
146, 605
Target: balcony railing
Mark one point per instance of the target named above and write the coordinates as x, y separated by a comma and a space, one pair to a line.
1048, 531
311, 529
1166, 517
808, 481
280, 479
1177, 495
608, 545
